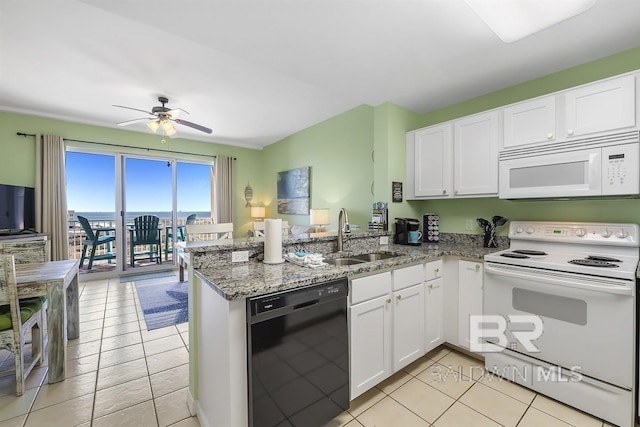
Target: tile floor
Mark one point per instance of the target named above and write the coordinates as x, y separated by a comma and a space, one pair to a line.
120, 374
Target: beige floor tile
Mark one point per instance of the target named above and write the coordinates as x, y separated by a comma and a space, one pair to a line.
390, 413
341, 420
507, 387
365, 401
354, 423
14, 422
495, 405
120, 341
68, 413
119, 304
183, 327
70, 388
466, 365
460, 415
168, 381
120, 329
141, 415
189, 422
118, 320
86, 309
12, 406
447, 381
162, 344
75, 351
172, 407
122, 373
121, 355
418, 366
117, 312
121, 396
158, 333
167, 360
564, 412
89, 317
438, 353
425, 401
535, 418
185, 338
34, 380
394, 381
88, 336
82, 365
91, 326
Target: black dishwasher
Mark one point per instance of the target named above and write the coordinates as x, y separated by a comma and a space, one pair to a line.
298, 356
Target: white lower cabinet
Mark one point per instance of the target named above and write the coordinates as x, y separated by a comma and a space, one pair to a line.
434, 314
469, 297
408, 326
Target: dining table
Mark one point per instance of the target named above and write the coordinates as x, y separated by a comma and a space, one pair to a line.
58, 281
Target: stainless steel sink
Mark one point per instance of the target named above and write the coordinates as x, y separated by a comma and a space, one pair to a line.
376, 256
343, 261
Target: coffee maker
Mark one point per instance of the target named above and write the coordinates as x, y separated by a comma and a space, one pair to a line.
403, 227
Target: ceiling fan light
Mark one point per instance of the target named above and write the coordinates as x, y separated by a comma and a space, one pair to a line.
153, 125
168, 128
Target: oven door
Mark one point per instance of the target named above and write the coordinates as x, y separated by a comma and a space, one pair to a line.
572, 174
587, 321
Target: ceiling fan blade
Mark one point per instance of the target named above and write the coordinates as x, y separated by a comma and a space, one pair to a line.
176, 111
130, 122
193, 125
134, 109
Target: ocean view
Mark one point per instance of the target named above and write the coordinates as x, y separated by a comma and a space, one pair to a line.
110, 216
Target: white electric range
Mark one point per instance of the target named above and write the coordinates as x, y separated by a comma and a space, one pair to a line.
567, 294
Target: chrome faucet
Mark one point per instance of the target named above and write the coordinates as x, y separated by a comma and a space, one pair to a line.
343, 228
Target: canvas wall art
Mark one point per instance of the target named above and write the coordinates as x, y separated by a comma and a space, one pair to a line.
293, 191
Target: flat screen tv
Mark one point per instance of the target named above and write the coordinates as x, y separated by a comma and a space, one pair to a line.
17, 209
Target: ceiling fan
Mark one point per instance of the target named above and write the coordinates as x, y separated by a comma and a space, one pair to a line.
162, 117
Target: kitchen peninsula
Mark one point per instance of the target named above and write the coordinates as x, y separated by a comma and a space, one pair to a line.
219, 290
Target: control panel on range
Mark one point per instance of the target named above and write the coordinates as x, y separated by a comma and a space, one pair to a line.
574, 232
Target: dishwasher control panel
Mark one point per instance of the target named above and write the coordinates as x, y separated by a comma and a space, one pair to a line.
299, 297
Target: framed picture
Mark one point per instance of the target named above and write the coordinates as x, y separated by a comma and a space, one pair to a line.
396, 191
293, 191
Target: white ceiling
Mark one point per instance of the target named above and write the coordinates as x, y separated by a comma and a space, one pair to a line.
257, 71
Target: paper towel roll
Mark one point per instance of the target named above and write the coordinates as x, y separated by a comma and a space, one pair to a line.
273, 241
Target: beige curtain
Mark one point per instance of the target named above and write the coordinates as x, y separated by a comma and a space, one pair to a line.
51, 194
223, 194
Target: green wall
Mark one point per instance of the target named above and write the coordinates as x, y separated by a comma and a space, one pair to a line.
453, 213
17, 162
338, 151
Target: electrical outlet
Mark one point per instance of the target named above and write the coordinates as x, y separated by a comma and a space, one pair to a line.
384, 240
469, 225
239, 256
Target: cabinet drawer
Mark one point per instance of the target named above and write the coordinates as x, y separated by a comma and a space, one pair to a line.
433, 270
365, 288
408, 276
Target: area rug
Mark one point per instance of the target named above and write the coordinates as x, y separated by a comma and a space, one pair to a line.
164, 301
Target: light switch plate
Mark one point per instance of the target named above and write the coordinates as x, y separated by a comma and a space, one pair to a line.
469, 225
384, 240
239, 256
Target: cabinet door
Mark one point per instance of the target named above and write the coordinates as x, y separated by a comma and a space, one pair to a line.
432, 159
369, 344
469, 297
476, 155
434, 314
408, 326
601, 107
530, 122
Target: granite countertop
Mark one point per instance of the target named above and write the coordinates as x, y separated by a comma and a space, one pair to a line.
254, 278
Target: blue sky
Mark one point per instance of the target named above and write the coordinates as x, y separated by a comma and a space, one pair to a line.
91, 184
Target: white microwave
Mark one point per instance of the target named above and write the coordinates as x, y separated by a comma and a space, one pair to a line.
594, 167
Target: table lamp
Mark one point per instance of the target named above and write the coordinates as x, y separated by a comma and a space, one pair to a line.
319, 217
258, 212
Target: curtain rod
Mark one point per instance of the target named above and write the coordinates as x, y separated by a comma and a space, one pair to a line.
127, 146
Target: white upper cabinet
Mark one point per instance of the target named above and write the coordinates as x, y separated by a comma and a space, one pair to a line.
432, 161
530, 122
600, 107
476, 155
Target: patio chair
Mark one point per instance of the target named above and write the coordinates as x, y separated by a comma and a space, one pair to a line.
181, 235
145, 232
17, 318
93, 239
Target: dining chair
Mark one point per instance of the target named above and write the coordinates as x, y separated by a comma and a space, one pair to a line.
145, 231
19, 320
180, 231
221, 231
93, 239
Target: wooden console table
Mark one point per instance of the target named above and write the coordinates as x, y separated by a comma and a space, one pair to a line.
58, 280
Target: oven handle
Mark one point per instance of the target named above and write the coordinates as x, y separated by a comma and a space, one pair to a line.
611, 288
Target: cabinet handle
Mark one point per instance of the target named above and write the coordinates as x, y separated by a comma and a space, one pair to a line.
433, 287
444, 191
436, 270
388, 300
570, 132
398, 297
549, 136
